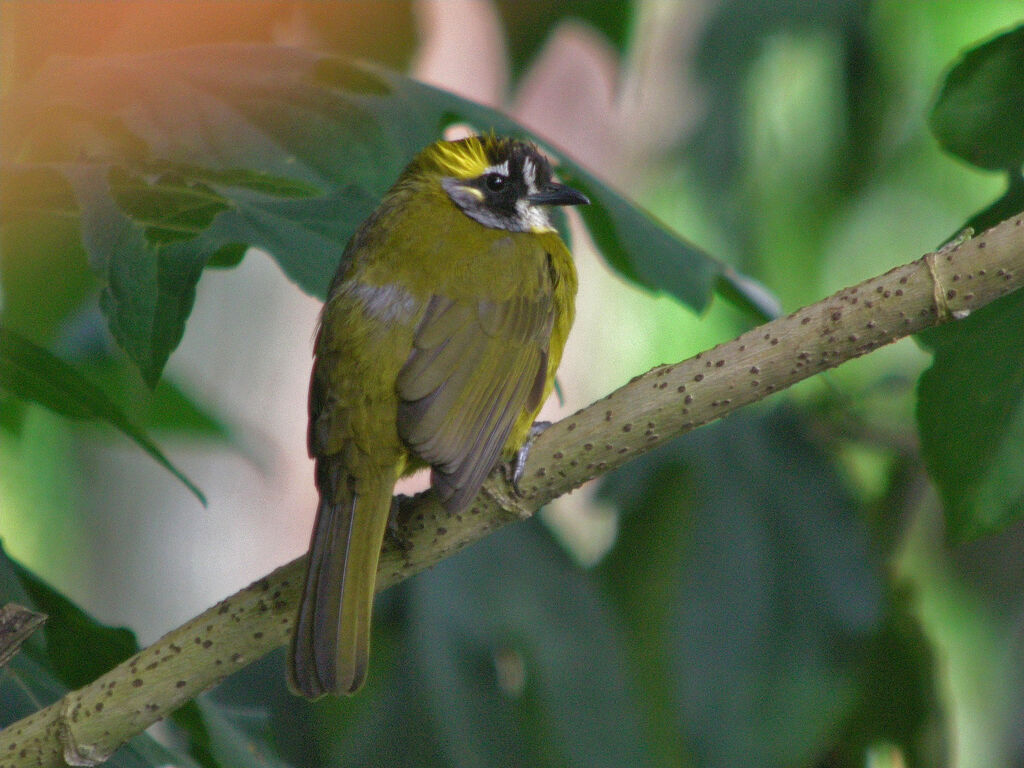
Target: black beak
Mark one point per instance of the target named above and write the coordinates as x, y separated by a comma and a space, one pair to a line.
558, 194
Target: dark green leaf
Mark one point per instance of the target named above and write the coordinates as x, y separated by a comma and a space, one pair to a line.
731, 43
971, 420
749, 295
394, 702
75, 647
26, 685
182, 156
899, 701
255, 707
641, 249
150, 272
228, 256
528, 23
79, 649
1010, 204
977, 115
238, 737
748, 584
520, 660
169, 209
642, 573
32, 373
13, 591
634, 244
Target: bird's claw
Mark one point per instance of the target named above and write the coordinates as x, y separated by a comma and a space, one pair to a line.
394, 530
514, 469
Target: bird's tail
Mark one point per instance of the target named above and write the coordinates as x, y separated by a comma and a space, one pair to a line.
331, 643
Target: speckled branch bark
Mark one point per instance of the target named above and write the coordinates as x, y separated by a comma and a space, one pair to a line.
88, 724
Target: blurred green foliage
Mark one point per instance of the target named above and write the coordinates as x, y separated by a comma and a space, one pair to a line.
780, 591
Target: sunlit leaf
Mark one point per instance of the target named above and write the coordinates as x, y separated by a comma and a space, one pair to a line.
44, 276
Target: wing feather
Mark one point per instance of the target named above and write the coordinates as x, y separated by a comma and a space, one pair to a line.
473, 370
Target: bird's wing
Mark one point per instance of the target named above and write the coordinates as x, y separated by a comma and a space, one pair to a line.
474, 368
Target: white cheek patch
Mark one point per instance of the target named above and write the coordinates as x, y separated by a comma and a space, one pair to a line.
533, 217
530, 176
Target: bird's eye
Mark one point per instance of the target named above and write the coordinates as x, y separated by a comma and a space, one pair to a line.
495, 182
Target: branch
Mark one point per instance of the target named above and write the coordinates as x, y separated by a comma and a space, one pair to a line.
87, 725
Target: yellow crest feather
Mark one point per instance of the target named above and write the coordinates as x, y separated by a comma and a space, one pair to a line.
464, 158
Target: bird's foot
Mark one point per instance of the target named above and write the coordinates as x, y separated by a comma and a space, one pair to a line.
514, 469
394, 531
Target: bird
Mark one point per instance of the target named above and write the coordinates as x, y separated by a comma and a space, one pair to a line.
437, 345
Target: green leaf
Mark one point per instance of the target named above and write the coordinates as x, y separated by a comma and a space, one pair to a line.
228, 256
167, 407
395, 703
641, 575
238, 737
526, 666
969, 411
26, 683
899, 697
749, 589
13, 591
633, 242
732, 40
970, 416
76, 649
32, 373
977, 114
1010, 204
148, 293
641, 249
529, 23
39, 240
332, 731
183, 156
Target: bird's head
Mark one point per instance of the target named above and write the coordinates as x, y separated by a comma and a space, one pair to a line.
499, 182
